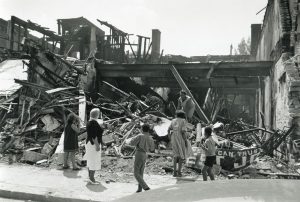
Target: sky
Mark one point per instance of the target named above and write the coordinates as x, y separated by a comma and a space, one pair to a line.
188, 27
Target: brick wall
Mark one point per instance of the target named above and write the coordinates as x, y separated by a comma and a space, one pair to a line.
280, 93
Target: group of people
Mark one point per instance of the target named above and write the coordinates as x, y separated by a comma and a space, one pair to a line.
143, 143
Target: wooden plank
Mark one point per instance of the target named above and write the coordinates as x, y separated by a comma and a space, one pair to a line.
184, 87
82, 109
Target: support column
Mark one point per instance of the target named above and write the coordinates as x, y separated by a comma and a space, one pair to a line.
155, 53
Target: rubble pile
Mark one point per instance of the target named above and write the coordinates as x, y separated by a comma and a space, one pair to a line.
33, 118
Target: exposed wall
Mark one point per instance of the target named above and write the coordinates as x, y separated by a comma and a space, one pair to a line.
280, 91
271, 32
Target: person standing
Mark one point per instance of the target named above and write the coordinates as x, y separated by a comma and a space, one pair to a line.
143, 143
209, 147
186, 104
93, 145
177, 134
71, 140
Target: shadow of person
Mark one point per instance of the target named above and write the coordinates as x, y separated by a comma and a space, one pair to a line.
181, 180
95, 188
71, 174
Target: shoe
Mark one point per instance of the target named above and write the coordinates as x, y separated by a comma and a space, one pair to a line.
140, 189
77, 168
65, 167
175, 174
93, 183
147, 189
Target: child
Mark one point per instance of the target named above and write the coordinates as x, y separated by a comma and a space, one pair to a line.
210, 152
71, 140
143, 143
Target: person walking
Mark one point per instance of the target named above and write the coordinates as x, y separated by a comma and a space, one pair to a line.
143, 143
186, 104
71, 132
177, 134
209, 147
93, 145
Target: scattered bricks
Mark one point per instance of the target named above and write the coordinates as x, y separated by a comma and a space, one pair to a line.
294, 110
293, 115
292, 72
295, 84
289, 65
294, 88
31, 156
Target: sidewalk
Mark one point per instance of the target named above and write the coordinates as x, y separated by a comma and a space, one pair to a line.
20, 181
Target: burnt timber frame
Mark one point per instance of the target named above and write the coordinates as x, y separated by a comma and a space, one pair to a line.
30, 25
225, 75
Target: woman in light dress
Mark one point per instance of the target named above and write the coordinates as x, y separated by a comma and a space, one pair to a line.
93, 145
177, 131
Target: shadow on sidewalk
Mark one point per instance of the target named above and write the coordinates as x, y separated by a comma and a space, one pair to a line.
96, 188
71, 174
181, 180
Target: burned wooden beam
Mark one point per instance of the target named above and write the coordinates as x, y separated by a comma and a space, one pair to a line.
33, 85
244, 82
66, 63
261, 68
35, 27
52, 73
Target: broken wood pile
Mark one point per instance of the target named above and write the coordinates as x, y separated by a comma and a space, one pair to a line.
32, 118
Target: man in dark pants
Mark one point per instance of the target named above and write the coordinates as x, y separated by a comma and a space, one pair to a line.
143, 143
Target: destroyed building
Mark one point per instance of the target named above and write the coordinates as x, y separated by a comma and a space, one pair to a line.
255, 96
277, 40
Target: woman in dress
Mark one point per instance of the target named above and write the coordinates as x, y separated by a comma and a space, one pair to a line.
71, 140
177, 131
93, 145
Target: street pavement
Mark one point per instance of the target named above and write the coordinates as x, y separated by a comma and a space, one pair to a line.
25, 182
239, 190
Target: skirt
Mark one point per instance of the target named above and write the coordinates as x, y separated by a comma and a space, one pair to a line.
92, 157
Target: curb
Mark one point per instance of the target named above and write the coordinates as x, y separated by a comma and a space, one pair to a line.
38, 197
